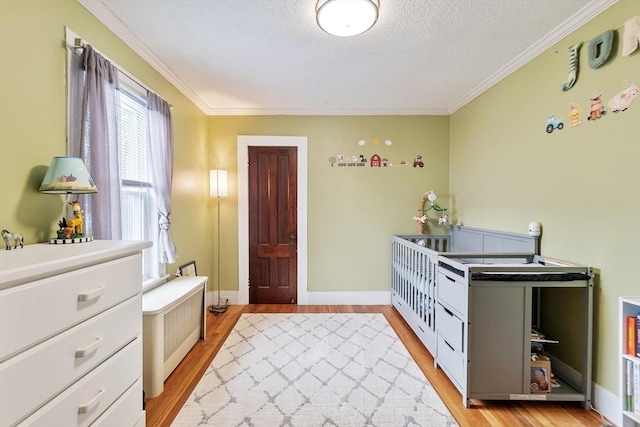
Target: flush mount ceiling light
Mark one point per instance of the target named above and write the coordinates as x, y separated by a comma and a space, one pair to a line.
346, 18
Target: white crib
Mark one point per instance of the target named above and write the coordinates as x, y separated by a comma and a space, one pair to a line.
414, 269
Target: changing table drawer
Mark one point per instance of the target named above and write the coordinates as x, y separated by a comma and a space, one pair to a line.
450, 327
62, 300
451, 362
41, 372
83, 402
453, 293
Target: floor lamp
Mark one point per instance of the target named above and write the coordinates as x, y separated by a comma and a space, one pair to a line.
218, 189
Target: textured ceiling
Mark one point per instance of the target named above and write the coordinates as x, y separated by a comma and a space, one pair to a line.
270, 57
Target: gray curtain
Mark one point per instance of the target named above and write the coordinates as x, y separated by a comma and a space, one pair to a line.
94, 138
161, 144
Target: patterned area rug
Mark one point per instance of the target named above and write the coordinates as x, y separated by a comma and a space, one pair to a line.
299, 370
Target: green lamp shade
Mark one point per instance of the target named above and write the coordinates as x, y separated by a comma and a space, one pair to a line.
67, 175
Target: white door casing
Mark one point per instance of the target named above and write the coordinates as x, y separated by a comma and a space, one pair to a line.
244, 141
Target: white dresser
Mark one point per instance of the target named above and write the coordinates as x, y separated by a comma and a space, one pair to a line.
71, 335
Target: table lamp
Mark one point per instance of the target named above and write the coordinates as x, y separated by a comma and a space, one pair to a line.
69, 175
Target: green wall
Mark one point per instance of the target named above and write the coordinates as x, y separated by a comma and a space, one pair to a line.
491, 163
352, 211
582, 183
32, 123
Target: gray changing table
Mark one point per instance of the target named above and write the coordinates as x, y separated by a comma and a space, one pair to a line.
472, 298
484, 319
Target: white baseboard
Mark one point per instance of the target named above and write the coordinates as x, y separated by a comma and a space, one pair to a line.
602, 399
212, 297
349, 298
317, 298
607, 403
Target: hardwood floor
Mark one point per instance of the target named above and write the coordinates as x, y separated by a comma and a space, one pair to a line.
163, 409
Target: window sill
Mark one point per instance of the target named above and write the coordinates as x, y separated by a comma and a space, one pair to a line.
147, 285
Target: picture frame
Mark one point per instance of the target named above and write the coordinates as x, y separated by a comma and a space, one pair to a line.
188, 269
541, 375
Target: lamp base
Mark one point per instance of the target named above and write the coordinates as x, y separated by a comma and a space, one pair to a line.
83, 239
218, 309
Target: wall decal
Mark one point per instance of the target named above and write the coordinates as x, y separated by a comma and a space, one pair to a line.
573, 67
597, 109
599, 49
574, 115
622, 100
554, 122
631, 36
375, 161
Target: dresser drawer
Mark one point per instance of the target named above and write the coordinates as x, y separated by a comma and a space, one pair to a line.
451, 362
35, 311
41, 372
86, 400
453, 293
126, 411
450, 327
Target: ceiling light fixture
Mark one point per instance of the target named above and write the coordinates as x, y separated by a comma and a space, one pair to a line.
346, 18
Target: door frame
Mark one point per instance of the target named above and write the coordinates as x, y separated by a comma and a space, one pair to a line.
244, 141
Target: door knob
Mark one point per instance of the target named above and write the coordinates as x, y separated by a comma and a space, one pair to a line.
292, 236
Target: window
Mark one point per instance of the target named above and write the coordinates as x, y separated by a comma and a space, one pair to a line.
139, 212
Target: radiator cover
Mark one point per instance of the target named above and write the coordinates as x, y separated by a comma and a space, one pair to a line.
173, 322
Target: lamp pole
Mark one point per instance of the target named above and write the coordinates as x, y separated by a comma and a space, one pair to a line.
218, 190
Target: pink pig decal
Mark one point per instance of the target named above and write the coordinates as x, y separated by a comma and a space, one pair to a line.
623, 100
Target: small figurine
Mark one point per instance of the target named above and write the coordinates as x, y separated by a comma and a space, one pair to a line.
78, 219
71, 228
17, 238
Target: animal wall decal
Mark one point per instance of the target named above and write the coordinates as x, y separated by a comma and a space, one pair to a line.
622, 100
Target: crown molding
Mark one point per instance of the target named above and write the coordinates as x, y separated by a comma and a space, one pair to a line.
332, 112
583, 16
104, 15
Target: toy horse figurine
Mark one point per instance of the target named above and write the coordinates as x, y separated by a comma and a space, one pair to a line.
77, 222
18, 239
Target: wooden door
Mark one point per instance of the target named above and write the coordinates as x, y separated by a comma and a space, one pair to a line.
273, 228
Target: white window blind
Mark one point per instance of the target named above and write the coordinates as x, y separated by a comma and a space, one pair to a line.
139, 212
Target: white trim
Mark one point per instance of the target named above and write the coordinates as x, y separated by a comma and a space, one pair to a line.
316, 298
112, 22
607, 403
244, 142
583, 16
104, 15
350, 298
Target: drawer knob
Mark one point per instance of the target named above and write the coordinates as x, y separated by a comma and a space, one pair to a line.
83, 352
88, 296
83, 409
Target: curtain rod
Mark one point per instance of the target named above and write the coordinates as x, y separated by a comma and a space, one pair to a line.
78, 46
